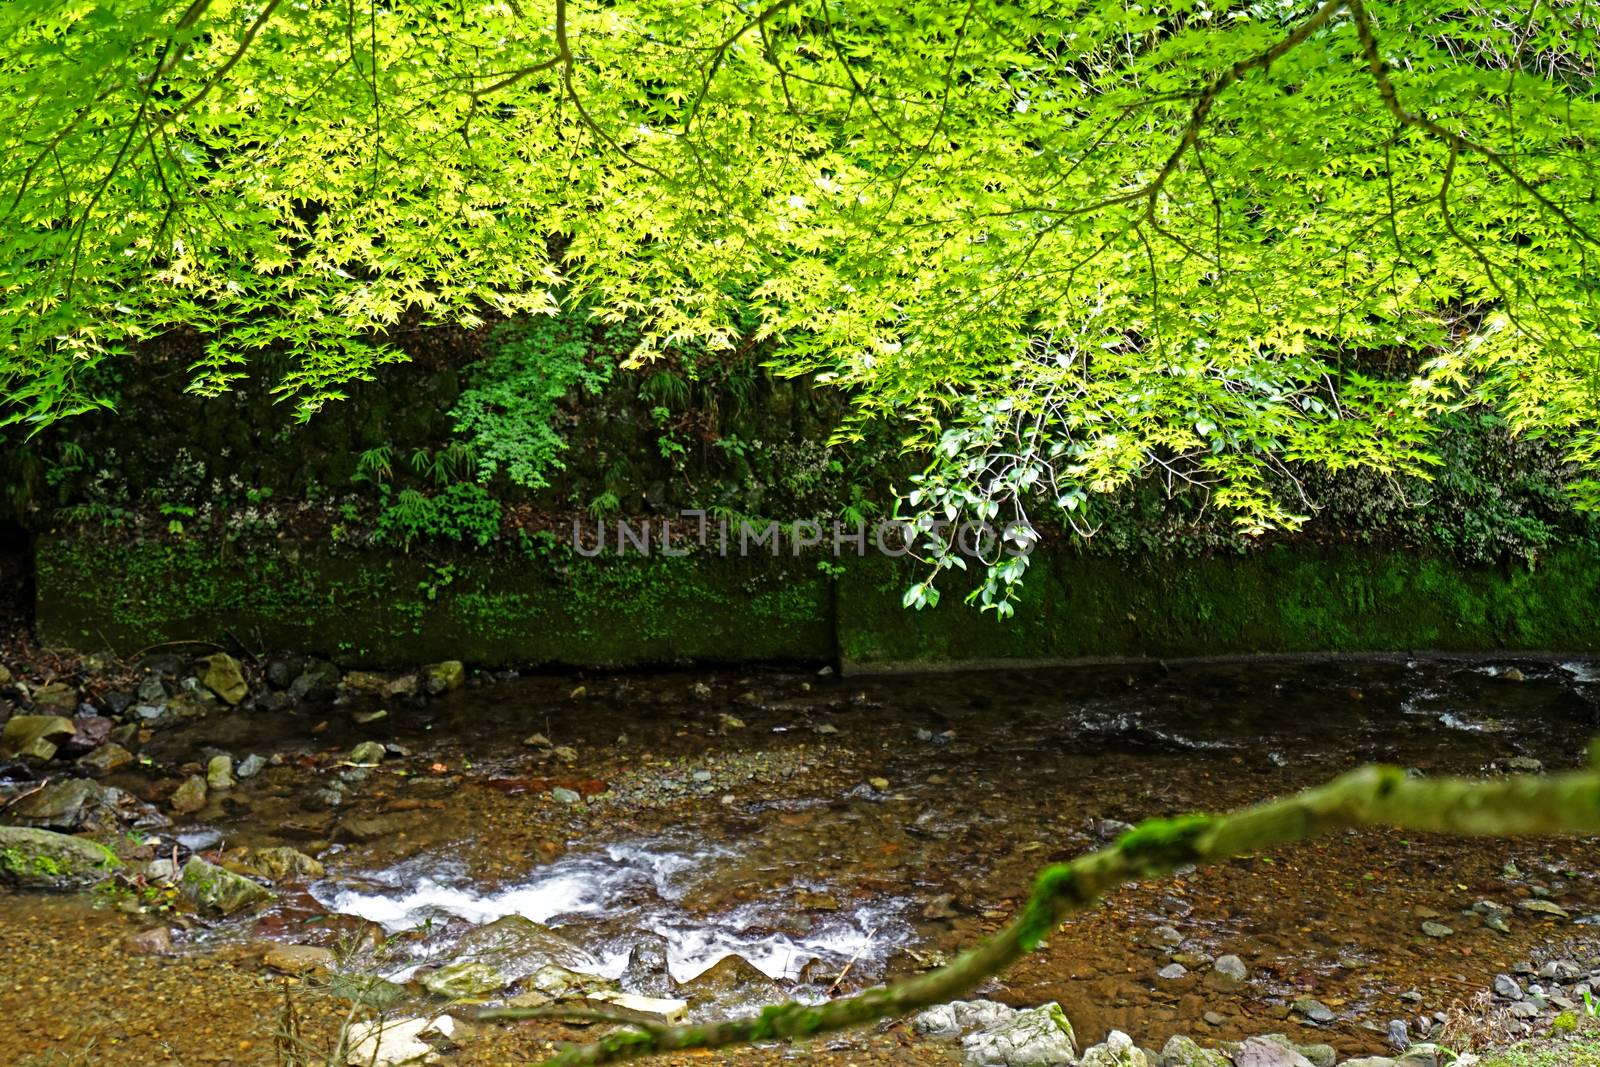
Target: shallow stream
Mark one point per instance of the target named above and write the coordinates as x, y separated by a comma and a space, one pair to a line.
869, 827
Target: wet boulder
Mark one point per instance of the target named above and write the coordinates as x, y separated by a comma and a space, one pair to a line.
105, 759
946, 1022
443, 677
42, 859
34, 737
464, 978
222, 674
732, 977
1038, 1037
646, 971
190, 797
514, 947
218, 889
284, 864
57, 696
67, 804
219, 772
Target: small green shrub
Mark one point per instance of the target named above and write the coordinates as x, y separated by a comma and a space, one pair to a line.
510, 412
462, 512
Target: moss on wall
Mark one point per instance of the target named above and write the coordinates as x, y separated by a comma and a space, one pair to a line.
510, 607
1288, 598
391, 609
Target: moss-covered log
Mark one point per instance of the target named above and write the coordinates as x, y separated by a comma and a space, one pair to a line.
1372, 796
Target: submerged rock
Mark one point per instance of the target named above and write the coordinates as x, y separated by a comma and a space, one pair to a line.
1038, 1037
156, 941
1227, 972
43, 859
34, 737
220, 890
298, 959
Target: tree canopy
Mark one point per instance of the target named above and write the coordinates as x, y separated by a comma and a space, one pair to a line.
1073, 244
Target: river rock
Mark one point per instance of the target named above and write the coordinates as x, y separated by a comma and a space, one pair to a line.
463, 978
1038, 1037
391, 1042
284, 864
646, 970
190, 797
729, 976
443, 677
1424, 1056
42, 859
1436, 929
219, 772
89, 732
319, 681
222, 674
1507, 987
217, 889
1181, 1051
1319, 1055
66, 804
34, 737
367, 754
250, 766
1543, 907
1370, 1061
57, 696
105, 759
1117, 1050
150, 690
1226, 973
946, 1022
1262, 1052
364, 682
1172, 972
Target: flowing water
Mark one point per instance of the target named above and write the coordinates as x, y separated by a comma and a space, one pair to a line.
837, 832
